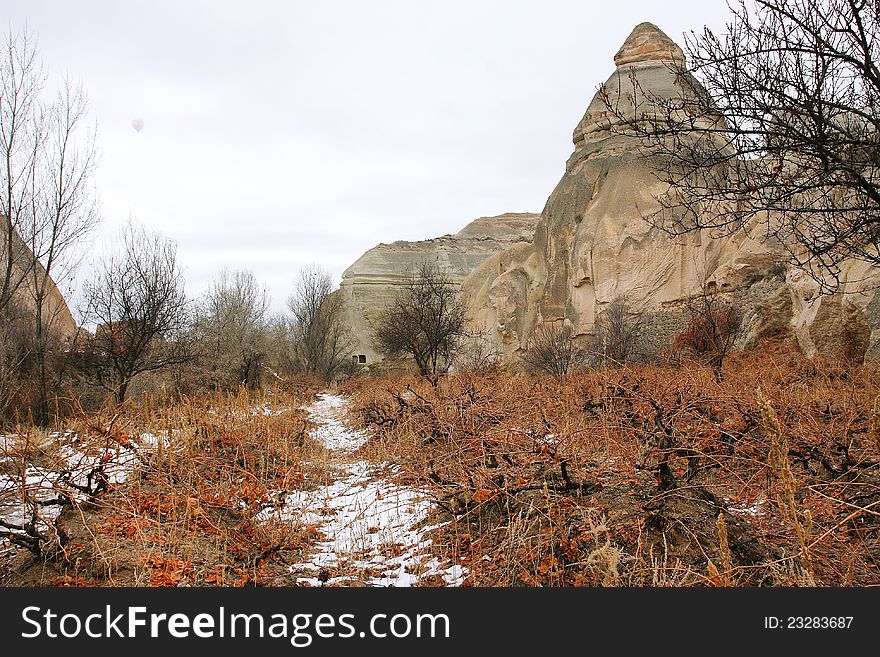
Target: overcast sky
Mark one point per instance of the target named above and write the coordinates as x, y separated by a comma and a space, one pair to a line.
277, 134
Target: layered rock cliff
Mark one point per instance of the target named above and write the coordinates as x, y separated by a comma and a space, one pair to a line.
373, 280
592, 245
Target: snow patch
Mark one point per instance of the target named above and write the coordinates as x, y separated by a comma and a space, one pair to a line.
23, 493
267, 411
754, 509
372, 526
331, 431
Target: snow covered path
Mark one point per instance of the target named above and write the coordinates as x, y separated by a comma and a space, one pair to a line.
372, 527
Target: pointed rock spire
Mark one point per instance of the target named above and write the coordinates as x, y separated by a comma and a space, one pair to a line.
648, 43
655, 60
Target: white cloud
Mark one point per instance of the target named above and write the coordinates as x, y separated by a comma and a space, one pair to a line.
281, 133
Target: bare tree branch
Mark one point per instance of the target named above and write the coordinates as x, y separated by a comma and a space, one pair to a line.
322, 342
426, 321
137, 301
775, 131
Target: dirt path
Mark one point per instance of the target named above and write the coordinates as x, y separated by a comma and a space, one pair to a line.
374, 529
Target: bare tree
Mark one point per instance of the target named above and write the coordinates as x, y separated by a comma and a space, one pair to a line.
776, 128
426, 320
232, 328
46, 197
552, 350
22, 135
137, 301
64, 210
618, 329
713, 328
322, 342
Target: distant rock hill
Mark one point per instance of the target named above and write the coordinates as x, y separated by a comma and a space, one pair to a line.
591, 245
372, 281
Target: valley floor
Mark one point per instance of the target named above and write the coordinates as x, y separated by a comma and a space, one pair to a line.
347, 523
374, 530
660, 475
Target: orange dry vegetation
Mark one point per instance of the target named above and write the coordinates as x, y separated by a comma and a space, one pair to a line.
189, 516
649, 475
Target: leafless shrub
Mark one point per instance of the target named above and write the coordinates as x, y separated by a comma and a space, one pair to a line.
477, 352
322, 344
617, 333
713, 327
552, 350
231, 330
426, 322
137, 301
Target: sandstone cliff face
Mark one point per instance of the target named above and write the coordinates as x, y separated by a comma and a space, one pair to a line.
56, 313
592, 245
371, 283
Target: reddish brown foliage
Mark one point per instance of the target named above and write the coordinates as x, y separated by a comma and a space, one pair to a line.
709, 332
619, 476
188, 517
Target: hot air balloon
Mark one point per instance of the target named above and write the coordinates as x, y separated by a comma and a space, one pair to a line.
137, 124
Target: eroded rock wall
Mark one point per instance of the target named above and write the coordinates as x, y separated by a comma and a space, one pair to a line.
372, 282
56, 313
592, 245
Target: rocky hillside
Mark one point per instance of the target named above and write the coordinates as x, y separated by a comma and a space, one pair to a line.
371, 282
55, 309
591, 245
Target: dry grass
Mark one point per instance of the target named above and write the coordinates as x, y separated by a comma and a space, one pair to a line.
674, 465
647, 476
187, 514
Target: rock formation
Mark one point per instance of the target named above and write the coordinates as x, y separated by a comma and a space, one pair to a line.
592, 245
55, 310
372, 281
